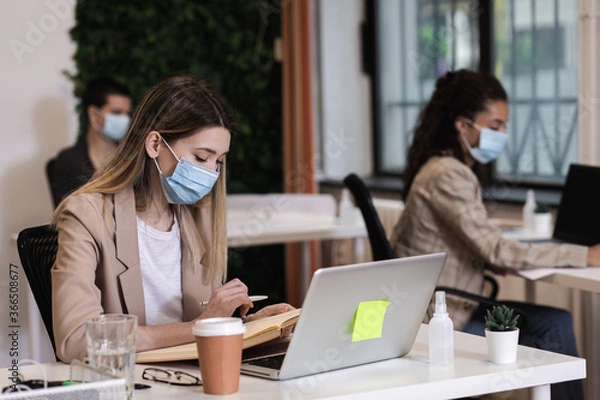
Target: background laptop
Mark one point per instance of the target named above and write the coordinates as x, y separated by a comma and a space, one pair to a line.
578, 215
330, 334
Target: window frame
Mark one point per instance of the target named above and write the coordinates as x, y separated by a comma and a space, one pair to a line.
371, 66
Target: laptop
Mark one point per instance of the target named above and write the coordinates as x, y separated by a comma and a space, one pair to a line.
578, 217
353, 315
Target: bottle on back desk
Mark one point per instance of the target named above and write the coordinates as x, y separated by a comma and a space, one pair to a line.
441, 333
347, 212
528, 210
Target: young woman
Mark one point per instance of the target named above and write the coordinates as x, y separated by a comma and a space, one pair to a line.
463, 124
148, 235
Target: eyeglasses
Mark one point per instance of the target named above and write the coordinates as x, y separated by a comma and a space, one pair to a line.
179, 378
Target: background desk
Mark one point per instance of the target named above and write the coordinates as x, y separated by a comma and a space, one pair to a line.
246, 228
409, 377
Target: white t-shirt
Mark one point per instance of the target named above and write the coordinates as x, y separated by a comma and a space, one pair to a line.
160, 262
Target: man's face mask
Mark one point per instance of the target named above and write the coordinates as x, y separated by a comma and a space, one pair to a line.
115, 126
491, 143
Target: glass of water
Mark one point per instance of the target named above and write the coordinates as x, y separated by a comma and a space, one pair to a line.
110, 342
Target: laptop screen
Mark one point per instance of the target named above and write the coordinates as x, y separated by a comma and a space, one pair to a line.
578, 216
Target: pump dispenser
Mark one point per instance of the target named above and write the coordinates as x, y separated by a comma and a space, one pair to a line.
441, 333
528, 210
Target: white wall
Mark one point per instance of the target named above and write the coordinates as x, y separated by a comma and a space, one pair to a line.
37, 120
346, 127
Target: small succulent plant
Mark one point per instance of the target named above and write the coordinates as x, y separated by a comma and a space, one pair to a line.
501, 318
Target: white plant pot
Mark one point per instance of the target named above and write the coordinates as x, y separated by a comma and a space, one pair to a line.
542, 223
502, 346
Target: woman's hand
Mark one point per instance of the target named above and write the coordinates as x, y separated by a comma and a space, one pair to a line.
226, 299
267, 311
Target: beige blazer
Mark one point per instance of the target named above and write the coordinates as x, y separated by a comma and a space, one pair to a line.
97, 269
445, 212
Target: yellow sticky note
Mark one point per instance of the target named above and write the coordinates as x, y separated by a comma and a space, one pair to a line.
367, 322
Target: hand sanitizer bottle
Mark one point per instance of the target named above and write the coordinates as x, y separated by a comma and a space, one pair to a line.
528, 210
441, 333
346, 210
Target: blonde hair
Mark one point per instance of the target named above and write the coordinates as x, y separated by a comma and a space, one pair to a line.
177, 107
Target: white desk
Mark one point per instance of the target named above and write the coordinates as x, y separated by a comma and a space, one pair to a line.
410, 377
246, 229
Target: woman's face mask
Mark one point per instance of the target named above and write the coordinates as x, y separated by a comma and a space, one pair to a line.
189, 182
491, 144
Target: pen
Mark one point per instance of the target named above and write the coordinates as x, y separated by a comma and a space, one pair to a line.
254, 298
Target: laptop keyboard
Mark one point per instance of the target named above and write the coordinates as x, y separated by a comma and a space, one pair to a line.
273, 362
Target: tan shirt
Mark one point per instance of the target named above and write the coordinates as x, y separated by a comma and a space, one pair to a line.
445, 212
97, 269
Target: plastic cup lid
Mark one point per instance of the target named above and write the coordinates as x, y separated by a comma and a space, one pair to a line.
225, 326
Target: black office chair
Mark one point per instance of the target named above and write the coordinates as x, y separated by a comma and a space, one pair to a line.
380, 244
37, 250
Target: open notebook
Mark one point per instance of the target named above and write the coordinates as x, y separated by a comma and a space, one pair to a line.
257, 332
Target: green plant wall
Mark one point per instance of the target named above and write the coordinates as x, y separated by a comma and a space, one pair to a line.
230, 44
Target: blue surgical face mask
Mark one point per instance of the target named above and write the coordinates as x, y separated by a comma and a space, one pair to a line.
189, 182
491, 144
115, 126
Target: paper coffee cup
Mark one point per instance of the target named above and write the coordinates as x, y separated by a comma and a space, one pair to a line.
219, 344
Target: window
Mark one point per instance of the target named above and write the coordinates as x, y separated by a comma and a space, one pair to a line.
417, 41
541, 80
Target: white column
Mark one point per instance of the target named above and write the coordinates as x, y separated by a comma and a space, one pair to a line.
589, 82
345, 91
589, 151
